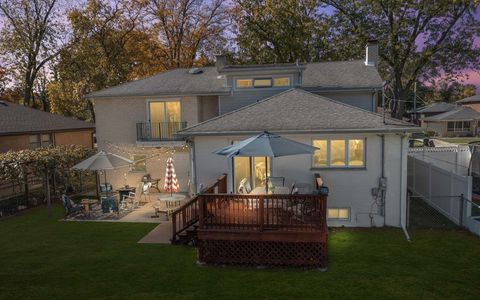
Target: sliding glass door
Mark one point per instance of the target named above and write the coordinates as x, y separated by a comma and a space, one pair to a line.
165, 118
250, 169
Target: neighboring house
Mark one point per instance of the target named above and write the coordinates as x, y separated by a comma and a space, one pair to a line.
431, 110
460, 121
357, 150
187, 114
25, 128
473, 102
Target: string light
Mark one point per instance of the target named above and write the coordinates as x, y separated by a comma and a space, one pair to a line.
149, 153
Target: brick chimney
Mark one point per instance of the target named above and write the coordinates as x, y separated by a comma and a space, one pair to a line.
371, 55
220, 61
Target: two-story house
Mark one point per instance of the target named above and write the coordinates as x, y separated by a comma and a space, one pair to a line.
189, 113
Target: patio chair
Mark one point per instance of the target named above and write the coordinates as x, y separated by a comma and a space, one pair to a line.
109, 204
132, 200
70, 206
244, 186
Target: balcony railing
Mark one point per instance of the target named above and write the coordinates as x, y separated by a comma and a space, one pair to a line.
163, 131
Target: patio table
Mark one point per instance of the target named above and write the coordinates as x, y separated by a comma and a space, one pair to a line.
87, 204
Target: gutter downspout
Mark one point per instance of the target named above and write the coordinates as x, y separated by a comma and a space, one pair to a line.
403, 197
193, 188
384, 202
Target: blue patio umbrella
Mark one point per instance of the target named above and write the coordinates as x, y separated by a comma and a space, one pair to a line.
268, 145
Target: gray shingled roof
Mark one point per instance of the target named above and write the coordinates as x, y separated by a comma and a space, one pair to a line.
18, 119
173, 82
324, 75
471, 99
437, 107
461, 113
341, 74
297, 111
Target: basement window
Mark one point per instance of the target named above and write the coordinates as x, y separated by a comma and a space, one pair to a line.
339, 214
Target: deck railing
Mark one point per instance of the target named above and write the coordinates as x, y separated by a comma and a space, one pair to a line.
188, 214
162, 131
303, 213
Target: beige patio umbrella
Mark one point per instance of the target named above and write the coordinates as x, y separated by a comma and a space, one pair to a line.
103, 161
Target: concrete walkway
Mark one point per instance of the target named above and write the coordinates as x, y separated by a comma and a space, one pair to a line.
159, 235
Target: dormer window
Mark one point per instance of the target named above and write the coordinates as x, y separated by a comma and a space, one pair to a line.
264, 82
244, 83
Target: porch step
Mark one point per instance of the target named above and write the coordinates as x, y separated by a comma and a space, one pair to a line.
188, 237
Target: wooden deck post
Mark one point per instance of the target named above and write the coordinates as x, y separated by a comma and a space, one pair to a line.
261, 211
174, 228
201, 211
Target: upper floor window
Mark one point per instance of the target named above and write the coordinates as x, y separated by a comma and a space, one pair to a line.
165, 111
40, 140
268, 82
139, 163
339, 153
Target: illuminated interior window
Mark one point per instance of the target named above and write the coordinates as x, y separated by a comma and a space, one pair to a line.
356, 153
244, 83
320, 158
338, 213
337, 152
346, 153
262, 82
281, 81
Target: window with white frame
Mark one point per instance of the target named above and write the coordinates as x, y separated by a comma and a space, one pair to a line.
339, 153
459, 126
338, 213
263, 82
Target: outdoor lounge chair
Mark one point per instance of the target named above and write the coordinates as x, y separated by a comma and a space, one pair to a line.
109, 204
70, 206
132, 201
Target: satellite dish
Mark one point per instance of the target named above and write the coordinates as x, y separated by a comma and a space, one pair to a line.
195, 71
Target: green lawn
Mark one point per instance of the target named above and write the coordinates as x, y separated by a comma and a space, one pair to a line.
460, 140
48, 259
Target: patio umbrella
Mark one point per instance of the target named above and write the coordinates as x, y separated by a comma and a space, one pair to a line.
171, 183
268, 145
102, 161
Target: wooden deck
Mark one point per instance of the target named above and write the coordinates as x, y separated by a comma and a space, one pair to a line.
281, 230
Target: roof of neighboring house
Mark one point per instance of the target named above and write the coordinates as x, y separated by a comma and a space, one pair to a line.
437, 107
323, 75
297, 111
18, 119
472, 99
460, 113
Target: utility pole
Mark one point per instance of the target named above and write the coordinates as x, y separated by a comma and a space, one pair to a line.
415, 102
383, 101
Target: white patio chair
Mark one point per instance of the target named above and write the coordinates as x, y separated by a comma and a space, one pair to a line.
133, 199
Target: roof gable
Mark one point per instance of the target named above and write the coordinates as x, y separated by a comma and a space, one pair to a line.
461, 113
472, 99
18, 119
296, 110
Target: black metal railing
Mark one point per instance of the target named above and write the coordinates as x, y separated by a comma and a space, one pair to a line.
163, 131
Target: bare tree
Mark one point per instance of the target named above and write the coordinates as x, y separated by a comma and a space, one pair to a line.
187, 29
30, 38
